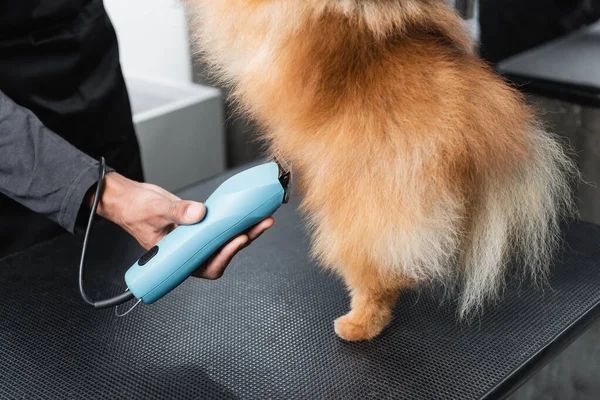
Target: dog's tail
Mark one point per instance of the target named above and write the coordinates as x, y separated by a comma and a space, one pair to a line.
518, 217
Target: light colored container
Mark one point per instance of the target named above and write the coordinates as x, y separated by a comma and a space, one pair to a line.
180, 131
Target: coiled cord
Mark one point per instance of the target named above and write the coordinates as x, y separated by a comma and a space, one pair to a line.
114, 301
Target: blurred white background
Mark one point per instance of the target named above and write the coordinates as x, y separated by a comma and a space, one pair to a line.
179, 124
153, 38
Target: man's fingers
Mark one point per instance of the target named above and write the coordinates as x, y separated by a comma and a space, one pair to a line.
183, 212
259, 228
216, 267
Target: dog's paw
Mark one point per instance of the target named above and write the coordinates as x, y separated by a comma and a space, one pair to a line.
354, 329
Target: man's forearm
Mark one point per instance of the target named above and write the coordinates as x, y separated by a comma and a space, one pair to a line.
39, 169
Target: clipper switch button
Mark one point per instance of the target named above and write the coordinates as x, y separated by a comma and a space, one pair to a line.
148, 256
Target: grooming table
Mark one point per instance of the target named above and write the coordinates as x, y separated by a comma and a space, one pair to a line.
265, 330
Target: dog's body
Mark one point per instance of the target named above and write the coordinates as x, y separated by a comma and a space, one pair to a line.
415, 161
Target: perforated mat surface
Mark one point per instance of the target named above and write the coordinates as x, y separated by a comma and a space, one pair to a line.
265, 329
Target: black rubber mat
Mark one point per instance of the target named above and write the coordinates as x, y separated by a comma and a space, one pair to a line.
265, 330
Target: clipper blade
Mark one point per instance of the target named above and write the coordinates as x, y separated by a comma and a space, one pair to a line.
285, 177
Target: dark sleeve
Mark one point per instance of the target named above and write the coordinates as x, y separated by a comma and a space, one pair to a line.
39, 169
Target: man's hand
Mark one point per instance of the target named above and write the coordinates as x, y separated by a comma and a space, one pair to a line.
148, 213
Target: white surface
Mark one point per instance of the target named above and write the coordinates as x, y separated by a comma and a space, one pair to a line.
473, 23
153, 38
180, 131
573, 59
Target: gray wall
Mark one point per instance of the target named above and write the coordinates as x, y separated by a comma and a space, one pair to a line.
580, 126
240, 133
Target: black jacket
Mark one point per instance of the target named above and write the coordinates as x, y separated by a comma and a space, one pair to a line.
63, 103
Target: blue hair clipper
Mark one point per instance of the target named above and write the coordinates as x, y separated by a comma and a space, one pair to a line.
239, 203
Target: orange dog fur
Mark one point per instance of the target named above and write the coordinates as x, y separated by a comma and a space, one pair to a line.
415, 161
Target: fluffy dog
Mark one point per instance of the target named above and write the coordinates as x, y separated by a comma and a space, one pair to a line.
416, 162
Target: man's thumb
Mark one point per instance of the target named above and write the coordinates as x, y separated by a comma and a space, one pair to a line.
185, 212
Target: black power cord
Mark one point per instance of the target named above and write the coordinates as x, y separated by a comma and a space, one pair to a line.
114, 301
